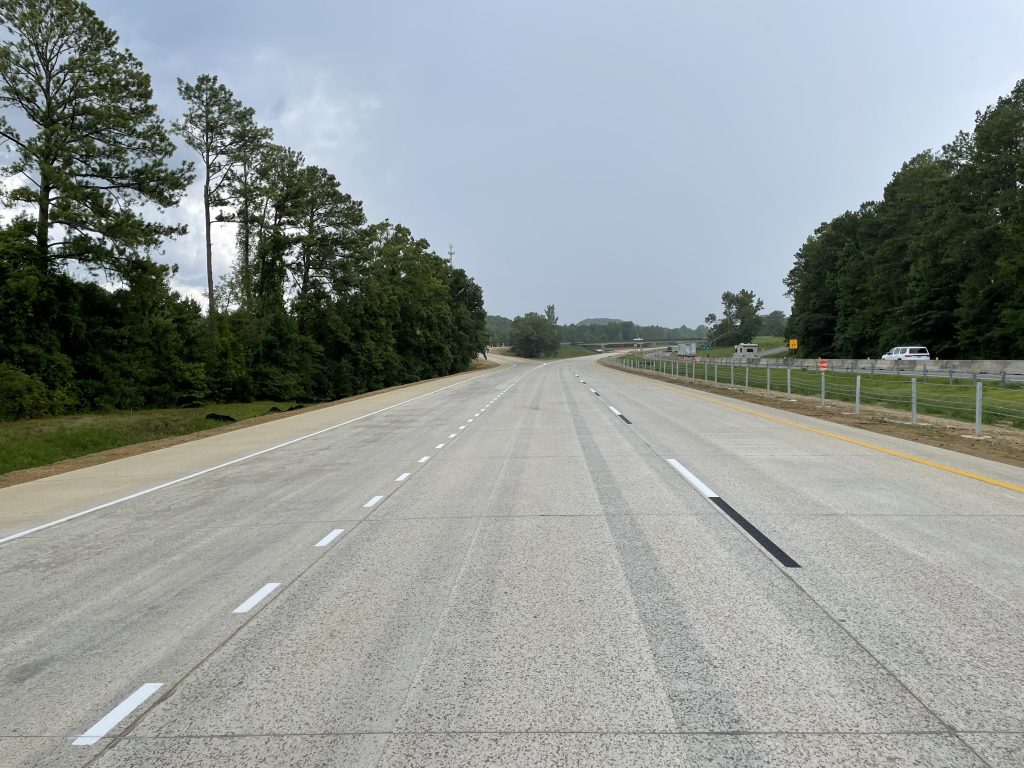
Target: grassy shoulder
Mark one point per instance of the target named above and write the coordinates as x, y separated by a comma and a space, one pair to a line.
566, 351
36, 442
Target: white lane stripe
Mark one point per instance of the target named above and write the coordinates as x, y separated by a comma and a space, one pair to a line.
693, 480
439, 446
476, 414
253, 601
202, 472
116, 715
453, 434
330, 537
424, 460
615, 411
463, 426
403, 477
469, 421
373, 502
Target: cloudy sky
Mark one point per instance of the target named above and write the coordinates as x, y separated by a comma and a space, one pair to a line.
630, 159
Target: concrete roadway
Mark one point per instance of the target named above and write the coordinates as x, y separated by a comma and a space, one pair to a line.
538, 566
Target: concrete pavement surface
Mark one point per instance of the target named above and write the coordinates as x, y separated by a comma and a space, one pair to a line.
537, 565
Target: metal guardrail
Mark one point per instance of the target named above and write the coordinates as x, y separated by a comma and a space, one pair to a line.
991, 401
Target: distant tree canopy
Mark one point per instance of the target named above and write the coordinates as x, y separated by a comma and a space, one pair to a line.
939, 261
534, 335
319, 303
597, 330
740, 321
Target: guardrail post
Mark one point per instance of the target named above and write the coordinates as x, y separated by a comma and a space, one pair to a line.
705, 370
789, 381
768, 373
925, 370
856, 397
823, 390
732, 373
913, 400
1004, 378
746, 375
977, 409
951, 377
716, 373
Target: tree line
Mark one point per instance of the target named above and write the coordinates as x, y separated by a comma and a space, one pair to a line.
938, 261
318, 304
590, 331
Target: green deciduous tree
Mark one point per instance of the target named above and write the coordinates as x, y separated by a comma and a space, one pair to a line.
740, 320
87, 141
533, 335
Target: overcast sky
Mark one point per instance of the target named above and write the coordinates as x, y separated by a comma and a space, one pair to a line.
630, 159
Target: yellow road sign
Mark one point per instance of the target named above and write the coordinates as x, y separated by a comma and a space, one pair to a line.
792, 344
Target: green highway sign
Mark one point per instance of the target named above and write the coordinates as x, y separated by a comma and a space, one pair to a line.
704, 347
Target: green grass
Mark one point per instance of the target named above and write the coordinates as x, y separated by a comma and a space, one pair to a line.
1000, 405
571, 350
37, 442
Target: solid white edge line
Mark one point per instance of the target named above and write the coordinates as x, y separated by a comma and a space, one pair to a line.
614, 410
257, 596
201, 472
693, 480
329, 537
373, 502
403, 477
423, 460
116, 715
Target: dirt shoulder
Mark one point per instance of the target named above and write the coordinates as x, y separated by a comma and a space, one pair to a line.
1002, 444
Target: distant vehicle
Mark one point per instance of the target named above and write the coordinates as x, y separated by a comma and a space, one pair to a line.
907, 353
745, 350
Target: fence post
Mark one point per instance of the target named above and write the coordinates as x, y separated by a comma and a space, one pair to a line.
789, 381
951, 376
856, 397
732, 373
823, 390
746, 375
977, 410
768, 373
1004, 378
913, 400
716, 373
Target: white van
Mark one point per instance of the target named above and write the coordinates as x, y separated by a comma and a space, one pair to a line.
907, 353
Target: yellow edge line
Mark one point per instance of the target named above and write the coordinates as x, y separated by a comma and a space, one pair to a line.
851, 440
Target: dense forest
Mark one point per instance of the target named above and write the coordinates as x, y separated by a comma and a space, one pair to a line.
319, 303
939, 261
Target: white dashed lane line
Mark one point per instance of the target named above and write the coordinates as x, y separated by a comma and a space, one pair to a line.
439, 446
330, 537
116, 715
745, 525
424, 460
255, 600
403, 477
373, 502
